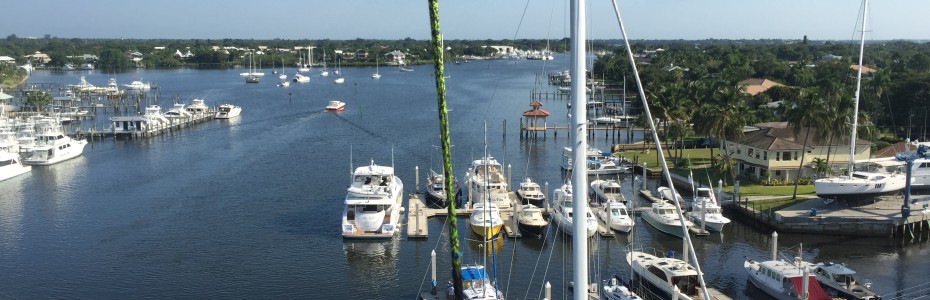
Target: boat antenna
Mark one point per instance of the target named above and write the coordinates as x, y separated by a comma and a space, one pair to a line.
438, 70
852, 137
351, 170
392, 155
655, 138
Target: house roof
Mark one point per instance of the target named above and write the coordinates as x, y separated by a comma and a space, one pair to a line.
536, 113
891, 150
754, 86
779, 136
865, 70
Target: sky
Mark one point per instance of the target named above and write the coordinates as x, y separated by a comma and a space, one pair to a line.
461, 19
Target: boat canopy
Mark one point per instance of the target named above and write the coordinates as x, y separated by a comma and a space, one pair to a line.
815, 292
474, 273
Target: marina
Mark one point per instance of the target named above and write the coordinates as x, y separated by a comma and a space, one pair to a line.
237, 191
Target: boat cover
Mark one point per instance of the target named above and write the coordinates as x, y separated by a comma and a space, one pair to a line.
473, 273
815, 292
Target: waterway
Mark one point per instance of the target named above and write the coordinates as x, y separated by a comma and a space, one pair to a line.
250, 208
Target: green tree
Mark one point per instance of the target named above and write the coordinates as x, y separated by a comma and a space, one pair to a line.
38, 100
804, 113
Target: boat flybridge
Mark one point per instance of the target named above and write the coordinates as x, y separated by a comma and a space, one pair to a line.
485, 180
705, 210
372, 203
563, 213
665, 274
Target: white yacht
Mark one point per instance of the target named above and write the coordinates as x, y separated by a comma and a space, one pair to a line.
607, 191
335, 105
665, 273
198, 107
616, 216
783, 280
52, 145
372, 203
82, 86
25, 136
477, 284
11, 165
530, 193
705, 210
485, 219
839, 280
152, 121
858, 184
228, 111
138, 86
301, 78
178, 113
485, 180
663, 217
562, 213
920, 171
531, 221
598, 163
615, 290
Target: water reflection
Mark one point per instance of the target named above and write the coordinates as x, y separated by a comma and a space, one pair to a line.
477, 243
11, 211
372, 261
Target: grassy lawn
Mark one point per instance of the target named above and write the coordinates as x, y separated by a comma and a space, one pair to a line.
700, 161
773, 205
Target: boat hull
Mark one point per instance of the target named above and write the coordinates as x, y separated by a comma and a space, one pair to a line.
675, 230
485, 231
11, 171
532, 230
77, 150
777, 294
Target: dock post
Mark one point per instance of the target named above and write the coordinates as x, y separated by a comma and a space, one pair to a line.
504, 132
548, 290
775, 245
416, 185
546, 202
432, 257
509, 174
644, 175
516, 210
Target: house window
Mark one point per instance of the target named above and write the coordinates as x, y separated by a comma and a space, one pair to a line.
749, 152
796, 155
778, 156
786, 155
777, 172
765, 155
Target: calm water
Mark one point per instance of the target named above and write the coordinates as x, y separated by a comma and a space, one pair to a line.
250, 208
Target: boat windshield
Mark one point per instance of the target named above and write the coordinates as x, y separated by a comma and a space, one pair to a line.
686, 284
612, 190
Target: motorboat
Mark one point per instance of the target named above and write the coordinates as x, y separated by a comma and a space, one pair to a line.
53, 145
563, 212
25, 136
177, 113
664, 217
838, 280
477, 285
669, 194
339, 79
920, 171
485, 219
137, 85
590, 153
598, 162
607, 191
436, 195
153, 113
616, 216
335, 105
530, 193
664, 274
531, 221
11, 166
783, 280
301, 78
82, 86
372, 203
252, 79
614, 289
856, 185
705, 210
284, 83
613, 120
227, 111
404, 68
197, 107
485, 180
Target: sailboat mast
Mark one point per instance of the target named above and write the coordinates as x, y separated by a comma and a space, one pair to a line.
855, 117
579, 147
436, 48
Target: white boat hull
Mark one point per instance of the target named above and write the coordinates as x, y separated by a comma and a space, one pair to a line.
40, 156
846, 188
673, 229
13, 170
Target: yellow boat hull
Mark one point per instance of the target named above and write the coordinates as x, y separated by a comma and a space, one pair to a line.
486, 232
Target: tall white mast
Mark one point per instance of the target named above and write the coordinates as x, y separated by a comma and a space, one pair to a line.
855, 117
579, 179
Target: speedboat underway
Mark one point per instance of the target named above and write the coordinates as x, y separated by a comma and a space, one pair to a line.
485, 180
531, 220
52, 145
11, 166
783, 280
228, 111
335, 105
705, 210
607, 191
663, 217
616, 216
838, 281
485, 219
563, 214
529, 193
664, 274
373, 203
436, 190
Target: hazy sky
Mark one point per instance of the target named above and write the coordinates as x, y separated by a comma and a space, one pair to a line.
461, 19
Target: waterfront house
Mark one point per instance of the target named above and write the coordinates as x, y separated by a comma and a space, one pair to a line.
865, 70
7, 60
396, 58
773, 151
755, 86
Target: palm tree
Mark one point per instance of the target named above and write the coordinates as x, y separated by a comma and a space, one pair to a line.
725, 118
805, 112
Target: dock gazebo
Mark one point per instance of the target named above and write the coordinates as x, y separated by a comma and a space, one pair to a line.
534, 120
